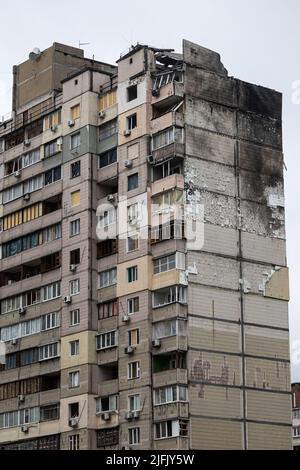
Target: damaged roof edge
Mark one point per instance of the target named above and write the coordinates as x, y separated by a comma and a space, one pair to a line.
200, 56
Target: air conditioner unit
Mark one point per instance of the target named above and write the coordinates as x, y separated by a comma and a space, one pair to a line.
26, 197
67, 299
136, 414
21, 398
129, 350
110, 198
101, 114
128, 163
17, 173
150, 159
126, 318
156, 343
129, 415
105, 416
54, 128
127, 132
73, 422
14, 341
26, 143
24, 428
155, 92
73, 268
71, 123
59, 147
22, 310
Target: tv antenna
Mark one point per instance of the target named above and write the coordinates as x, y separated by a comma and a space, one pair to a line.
83, 44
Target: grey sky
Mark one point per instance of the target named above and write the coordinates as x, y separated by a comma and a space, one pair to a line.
257, 40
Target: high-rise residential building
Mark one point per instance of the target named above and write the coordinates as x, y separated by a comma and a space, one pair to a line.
296, 415
144, 283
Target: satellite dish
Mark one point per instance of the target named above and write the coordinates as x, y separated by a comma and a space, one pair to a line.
35, 54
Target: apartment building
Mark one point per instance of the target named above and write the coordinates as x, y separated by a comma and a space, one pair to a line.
144, 283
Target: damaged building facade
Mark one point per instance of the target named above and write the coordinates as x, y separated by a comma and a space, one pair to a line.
142, 342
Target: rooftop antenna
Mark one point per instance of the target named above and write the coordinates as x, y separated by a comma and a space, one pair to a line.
83, 44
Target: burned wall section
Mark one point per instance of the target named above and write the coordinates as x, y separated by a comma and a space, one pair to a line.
239, 348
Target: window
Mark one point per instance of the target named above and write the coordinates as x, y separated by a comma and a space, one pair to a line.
75, 256
12, 193
74, 287
166, 137
74, 379
75, 169
167, 263
74, 227
108, 278
108, 129
132, 274
33, 184
296, 413
51, 233
75, 198
134, 402
107, 100
107, 218
50, 412
296, 431
167, 328
30, 158
74, 442
133, 370
169, 295
107, 404
172, 230
52, 291
74, 348
107, 437
171, 394
167, 201
53, 119
107, 247
108, 309
131, 122
134, 436
134, 337
108, 158
75, 141
133, 242
51, 148
132, 181
132, 93
51, 176
106, 340
133, 305
133, 213
75, 112
17, 418
48, 351
49, 321
75, 317
74, 410
166, 429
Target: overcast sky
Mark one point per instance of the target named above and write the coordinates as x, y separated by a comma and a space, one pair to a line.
258, 41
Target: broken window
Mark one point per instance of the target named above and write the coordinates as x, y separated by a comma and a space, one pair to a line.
108, 158
75, 256
131, 92
131, 122
108, 309
108, 129
107, 437
75, 169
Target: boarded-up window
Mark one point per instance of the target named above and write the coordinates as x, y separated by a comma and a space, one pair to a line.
107, 100
22, 216
75, 198
53, 119
75, 112
133, 151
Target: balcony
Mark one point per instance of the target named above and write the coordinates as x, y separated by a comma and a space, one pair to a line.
175, 149
172, 443
171, 344
168, 95
166, 184
107, 356
170, 411
107, 419
170, 377
169, 311
108, 387
169, 278
166, 120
